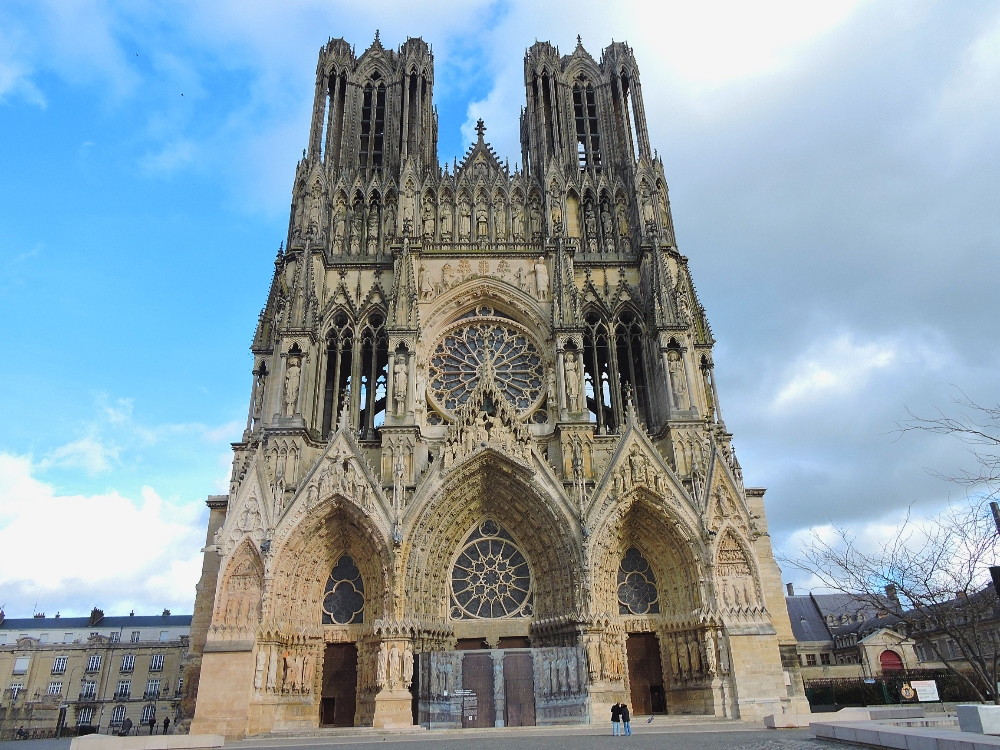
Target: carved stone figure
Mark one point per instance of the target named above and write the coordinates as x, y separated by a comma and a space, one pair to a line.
648, 211
340, 222
446, 223
292, 374
482, 222
428, 219
541, 279
272, 670
358, 228
500, 220
395, 667
372, 229
260, 669
535, 217
447, 277
399, 384
407, 666
382, 667
464, 221
678, 380
572, 381
390, 221
426, 284
593, 651
315, 216
590, 226
517, 222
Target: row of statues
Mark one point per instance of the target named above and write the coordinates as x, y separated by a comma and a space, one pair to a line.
560, 671
288, 671
604, 660
388, 668
533, 280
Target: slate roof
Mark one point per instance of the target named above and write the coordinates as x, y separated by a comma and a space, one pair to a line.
807, 622
105, 623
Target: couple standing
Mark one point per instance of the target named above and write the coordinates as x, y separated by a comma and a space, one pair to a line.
620, 720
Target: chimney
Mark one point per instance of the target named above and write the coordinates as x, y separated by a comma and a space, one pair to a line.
790, 588
96, 615
892, 596
166, 613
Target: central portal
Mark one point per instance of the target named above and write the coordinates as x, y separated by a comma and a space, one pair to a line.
645, 673
340, 685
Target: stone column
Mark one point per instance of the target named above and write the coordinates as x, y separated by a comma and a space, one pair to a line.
499, 694
561, 385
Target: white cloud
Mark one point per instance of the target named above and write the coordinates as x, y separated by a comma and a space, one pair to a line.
834, 368
71, 551
88, 453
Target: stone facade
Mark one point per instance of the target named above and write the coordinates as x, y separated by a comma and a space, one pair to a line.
484, 433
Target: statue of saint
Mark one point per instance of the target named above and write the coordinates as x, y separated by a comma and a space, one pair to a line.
465, 221
541, 279
446, 222
482, 222
517, 222
291, 386
572, 374
428, 219
372, 229
399, 384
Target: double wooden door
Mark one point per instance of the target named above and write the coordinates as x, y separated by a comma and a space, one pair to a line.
645, 674
340, 685
519, 690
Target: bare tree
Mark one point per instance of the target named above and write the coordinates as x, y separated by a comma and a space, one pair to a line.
939, 568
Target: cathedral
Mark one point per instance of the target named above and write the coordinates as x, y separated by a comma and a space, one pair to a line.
485, 479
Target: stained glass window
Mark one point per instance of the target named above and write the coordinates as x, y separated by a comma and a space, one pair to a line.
491, 577
636, 585
344, 599
455, 365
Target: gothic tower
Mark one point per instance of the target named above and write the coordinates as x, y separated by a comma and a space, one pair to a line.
484, 453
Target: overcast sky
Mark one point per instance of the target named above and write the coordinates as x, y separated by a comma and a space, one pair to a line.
835, 181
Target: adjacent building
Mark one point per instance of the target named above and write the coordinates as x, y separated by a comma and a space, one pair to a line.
67, 672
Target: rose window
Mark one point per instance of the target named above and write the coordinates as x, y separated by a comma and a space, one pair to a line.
636, 585
344, 597
455, 366
490, 577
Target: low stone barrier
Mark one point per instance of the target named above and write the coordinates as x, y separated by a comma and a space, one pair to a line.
155, 742
978, 718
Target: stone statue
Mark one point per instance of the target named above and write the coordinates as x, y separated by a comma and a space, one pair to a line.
291, 386
261, 667
648, 212
426, 284
358, 228
517, 222
622, 213
464, 221
428, 219
447, 277
590, 225
308, 673
407, 666
535, 217
555, 213
420, 388
372, 229
678, 380
446, 223
390, 221
315, 215
381, 667
272, 670
593, 661
340, 221
541, 279
482, 222
571, 370
399, 385
395, 667
500, 221
408, 206
607, 225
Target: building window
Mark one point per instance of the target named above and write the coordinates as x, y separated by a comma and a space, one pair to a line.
180, 686
148, 714
810, 660
59, 665
490, 577
55, 688
135, 637
124, 690
636, 585
21, 664
114, 637
156, 663
339, 367
344, 599
128, 662
15, 689
588, 141
152, 690
93, 662
85, 716
117, 716
824, 659
373, 123
88, 690
164, 636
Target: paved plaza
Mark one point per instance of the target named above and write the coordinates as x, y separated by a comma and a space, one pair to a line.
714, 736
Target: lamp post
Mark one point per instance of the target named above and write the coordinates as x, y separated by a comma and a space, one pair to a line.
995, 569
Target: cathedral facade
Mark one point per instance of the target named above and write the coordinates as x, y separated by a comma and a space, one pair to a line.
485, 479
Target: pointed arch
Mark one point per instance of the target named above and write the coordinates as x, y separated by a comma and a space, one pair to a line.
238, 602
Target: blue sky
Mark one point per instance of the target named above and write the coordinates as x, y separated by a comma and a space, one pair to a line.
834, 180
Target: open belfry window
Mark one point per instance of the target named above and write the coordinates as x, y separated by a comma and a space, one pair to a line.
373, 124
588, 139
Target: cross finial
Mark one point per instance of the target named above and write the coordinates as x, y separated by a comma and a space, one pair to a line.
480, 128
376, 36
579, 41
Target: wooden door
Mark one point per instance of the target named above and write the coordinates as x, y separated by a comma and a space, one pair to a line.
340, 685
645, 673
519, 690
477, 682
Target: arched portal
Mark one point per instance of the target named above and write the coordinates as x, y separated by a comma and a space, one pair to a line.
489, 492
890, 661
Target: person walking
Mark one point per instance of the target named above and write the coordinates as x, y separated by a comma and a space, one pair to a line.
152, 725
166, 724
626, 721
616, 718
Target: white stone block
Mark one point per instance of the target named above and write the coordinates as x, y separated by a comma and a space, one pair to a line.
979, 719
156, 742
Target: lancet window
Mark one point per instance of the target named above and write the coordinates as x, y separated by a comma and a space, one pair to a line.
344, 596
588, 139
356, 360
334, 127
613, 366
373, 124
373, 376
339, 369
